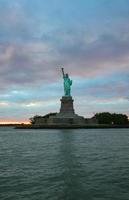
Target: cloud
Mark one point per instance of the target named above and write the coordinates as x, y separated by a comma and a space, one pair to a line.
105, 55
2, 103
90, 40
39, 62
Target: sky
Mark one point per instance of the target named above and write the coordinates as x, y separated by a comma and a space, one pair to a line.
89, 38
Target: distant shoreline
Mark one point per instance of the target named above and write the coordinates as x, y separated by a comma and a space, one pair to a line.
89, 126
102, 126
2, 125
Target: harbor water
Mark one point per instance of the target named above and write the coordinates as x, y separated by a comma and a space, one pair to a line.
79, 164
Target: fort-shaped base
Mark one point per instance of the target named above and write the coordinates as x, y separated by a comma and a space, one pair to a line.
66, 116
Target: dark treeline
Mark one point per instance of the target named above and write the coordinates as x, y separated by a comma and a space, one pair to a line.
33, 119
111, 118
99, 118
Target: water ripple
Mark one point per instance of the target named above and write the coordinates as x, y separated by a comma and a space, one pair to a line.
64, 164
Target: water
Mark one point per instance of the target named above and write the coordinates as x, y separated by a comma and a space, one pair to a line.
64, 164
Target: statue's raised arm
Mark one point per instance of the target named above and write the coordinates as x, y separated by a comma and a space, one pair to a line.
63, 72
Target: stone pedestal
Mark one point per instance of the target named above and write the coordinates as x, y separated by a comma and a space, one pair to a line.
67, 115
67, 105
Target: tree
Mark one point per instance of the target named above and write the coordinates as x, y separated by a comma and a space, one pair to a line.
104, 118
33, 119
108, 118
37, 117
119, 119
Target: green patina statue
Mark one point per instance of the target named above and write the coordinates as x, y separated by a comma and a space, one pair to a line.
67, 84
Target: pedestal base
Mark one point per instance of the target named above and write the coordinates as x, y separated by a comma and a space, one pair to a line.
67, 105
67, 114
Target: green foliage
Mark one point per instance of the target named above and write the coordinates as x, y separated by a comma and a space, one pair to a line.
36, 117
33, 119
109, 118
120, 119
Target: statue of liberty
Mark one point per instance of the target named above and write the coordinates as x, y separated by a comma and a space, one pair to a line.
67, 83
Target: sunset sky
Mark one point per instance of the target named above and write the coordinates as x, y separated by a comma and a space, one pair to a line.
89, 38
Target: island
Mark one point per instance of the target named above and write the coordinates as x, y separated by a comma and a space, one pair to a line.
67, 117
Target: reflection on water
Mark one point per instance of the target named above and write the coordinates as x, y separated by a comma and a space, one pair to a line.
64, 164
72, 168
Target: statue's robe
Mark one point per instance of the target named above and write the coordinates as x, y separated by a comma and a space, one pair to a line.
67, 86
